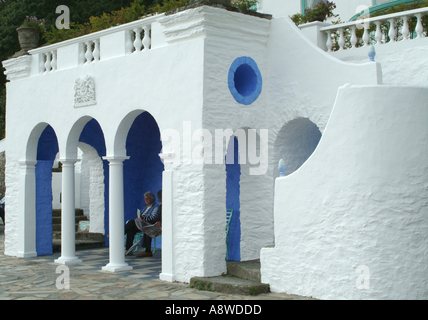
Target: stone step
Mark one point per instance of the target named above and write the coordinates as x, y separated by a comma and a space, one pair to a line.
80, 245
84, 240
229, 284
81, 236
249, 270
57, 220
57, 212
242, 278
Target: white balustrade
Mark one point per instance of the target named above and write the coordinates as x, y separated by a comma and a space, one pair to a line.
133, 37
138, 39
48, 62
386, 30
89, 51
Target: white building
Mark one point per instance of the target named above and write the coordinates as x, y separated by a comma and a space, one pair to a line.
349, 219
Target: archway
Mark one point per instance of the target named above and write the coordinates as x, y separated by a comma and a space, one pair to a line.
92, 144
233, 177
247, 188
142, 172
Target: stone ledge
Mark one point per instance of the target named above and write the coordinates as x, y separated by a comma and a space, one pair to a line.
229, 284
223, 4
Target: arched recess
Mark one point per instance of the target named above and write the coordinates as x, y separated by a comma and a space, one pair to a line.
233, 177
247, 188
295, 143
47, 148
138, 137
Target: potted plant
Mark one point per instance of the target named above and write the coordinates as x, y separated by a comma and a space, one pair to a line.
29, 32
321, 11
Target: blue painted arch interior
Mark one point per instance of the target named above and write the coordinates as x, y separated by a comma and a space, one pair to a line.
233, 177
47, 148
142, 172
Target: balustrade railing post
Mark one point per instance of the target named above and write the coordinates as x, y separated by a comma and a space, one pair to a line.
341, 39
419, 27
405, 31
48, 62
378, 34
88, 54
391, 32
96, 50
366, 36
329, 43
146, 39
54, 60
137, 43
354, 39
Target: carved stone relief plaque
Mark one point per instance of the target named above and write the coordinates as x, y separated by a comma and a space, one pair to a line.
84, 92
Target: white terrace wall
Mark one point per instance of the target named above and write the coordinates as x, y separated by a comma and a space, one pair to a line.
303, 83
154, 80
351, 223
185, 79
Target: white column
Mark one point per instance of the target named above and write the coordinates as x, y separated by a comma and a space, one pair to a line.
27, 210
68, 231
167, 228
116, 216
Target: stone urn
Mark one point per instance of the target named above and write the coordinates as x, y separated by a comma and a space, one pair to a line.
28, 38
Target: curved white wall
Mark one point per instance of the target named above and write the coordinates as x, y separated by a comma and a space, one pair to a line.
352, 222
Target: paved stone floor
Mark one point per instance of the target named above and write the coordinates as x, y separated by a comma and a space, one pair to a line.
38, 278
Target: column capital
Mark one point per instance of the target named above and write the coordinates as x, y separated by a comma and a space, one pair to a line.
68, 161
115, 159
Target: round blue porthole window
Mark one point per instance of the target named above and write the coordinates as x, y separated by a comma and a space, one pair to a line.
245, 80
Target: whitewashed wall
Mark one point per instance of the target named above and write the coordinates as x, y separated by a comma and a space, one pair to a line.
351, 223
183, 78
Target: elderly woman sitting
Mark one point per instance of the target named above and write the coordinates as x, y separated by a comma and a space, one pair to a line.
150, 215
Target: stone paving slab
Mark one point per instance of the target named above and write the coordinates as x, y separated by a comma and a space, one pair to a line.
37, 279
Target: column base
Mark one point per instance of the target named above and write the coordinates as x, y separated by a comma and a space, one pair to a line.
113, 267
167, 277
26, 254
68, 260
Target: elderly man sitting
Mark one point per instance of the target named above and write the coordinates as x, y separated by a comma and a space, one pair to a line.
150, 215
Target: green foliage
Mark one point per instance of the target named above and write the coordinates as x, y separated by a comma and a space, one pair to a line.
168, 5
135, 11
14, 12
245, 4
33, 22
321, 11
298, 19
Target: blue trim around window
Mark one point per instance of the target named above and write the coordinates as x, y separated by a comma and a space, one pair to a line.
245, 80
